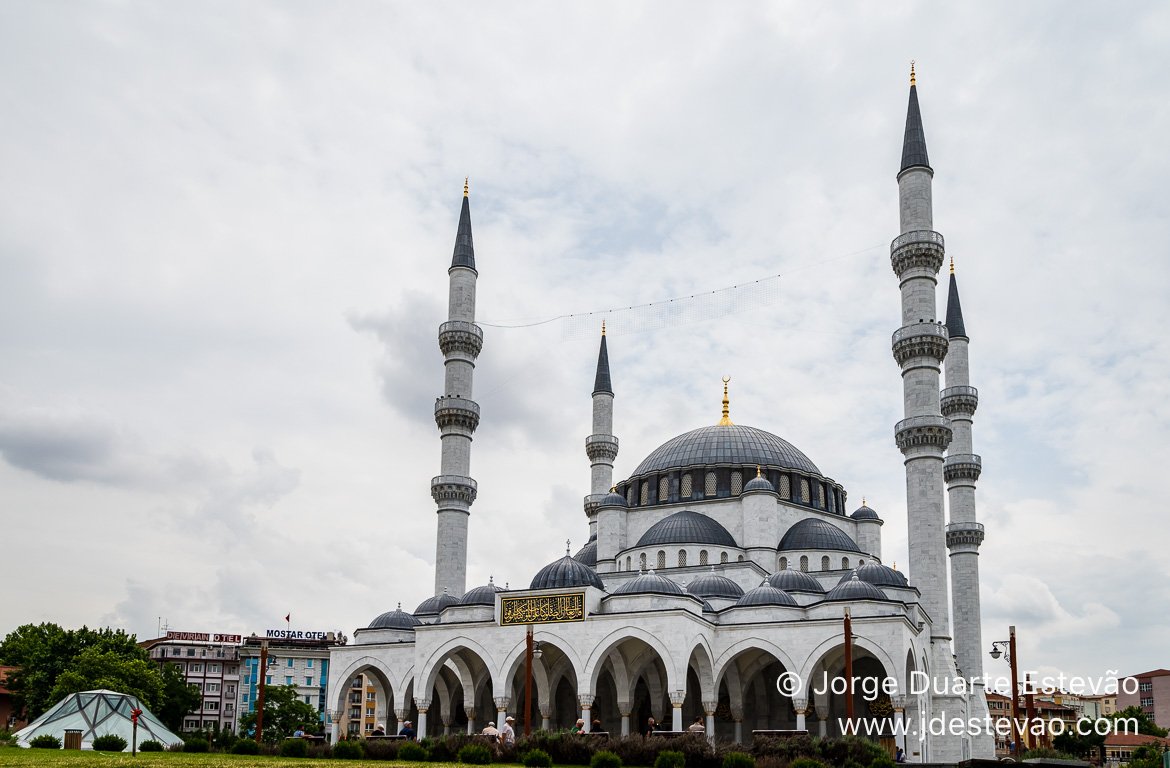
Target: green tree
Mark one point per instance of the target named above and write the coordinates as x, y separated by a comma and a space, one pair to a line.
1145, 723
283, 712
95, 669
179, 698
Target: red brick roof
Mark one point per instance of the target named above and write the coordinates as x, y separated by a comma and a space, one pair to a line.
1133, 740
1152, 673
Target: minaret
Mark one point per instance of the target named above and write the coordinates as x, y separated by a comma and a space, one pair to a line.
961, 471
601, 447
919, 347
457, 414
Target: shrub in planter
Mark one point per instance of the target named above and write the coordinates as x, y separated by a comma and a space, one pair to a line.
536, 758
195, 744
412, 753
245, 747
605, 759
669, 758
738, 760
45, 741
348, 750
294, 748
475, 754
109, 742
150, 745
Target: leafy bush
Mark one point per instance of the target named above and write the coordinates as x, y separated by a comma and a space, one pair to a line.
348, 750
851, 748
884, 761
475, 754
808, 762
605, 759
245, 747
225, 740
536, 758
109, 742
45, 741
294, 748
412, 753
6, 737
444, 749
382, 749
738, 760
669, 758
150, 745
195, 744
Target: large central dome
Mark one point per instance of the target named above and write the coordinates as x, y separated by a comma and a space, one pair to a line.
731, 444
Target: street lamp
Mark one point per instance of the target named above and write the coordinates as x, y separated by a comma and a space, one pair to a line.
1007, 649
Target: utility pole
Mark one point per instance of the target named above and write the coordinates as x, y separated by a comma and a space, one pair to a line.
528, 682
260, 681
848, 669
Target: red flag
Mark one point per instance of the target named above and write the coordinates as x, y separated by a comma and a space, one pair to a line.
288, 618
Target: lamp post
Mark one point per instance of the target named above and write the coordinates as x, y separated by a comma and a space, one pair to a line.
531, 653
1007, 649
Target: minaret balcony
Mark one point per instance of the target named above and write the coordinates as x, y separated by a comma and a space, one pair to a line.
453, 488
962, 466
923, 431
920, 340
459, 337
456, 413
921, 249
601, 448
959, 534
959, 400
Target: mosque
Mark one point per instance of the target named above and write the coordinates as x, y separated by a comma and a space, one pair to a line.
718, 576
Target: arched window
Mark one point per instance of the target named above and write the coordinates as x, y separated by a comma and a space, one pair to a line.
702, 557
820, 492
736, 482
684, 491
845, 563
682, 558
804, 562
629, 564
785, 487
739, 559
630, 495
860, 563
663, 489
661, 559
784, 563
804, 490
645, 498
832, 501
825, 563
642, 562
723, 557
709, 485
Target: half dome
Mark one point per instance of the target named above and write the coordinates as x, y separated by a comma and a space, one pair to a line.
713, 585
877, 574
811, 533
687, 527
649, 583
564, 573
587, 555
732, 444
433, 606
864, 513
795, 581
765, 594
485, 595
396, 619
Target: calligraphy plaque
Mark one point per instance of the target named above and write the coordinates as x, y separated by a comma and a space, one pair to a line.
542, 609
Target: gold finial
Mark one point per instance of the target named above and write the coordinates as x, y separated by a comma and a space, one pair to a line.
863, 501
613, 489
759, 471
911, 72
952, 265
726, 420
895, 566
465, 180
603, 322
568, 544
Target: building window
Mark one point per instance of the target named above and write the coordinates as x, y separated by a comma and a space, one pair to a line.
685, 489
212, 687
308, 681
785, 487
709, 484
723, 557
804, 563
739, 559
196, 667
290, 663
369, 726
369, 711
702, 557
230, 689
860, 563
370, 696
845, 563
211, 706
804, 490
268, 679
661, 559
642, 562
288, 679
309, 700
630, 495
190, 651
784, 563
832, 502
355, 713
825, 563
629, 564
192, 725
244, 698
309, 663
644, 499
682, 558
213, 668
736, 483
1143, 687
663, 489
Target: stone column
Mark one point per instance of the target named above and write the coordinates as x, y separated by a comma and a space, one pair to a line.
422, 705
586, 701
446, 724
709, 708
400, 716
624, 707
545, 715
676, 702
737, 716
823, 726
501, 710
801, 707
899, 704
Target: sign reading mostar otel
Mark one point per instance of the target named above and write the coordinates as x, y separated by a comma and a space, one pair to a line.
295, 634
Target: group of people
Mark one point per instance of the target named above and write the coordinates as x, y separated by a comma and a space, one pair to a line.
407, 730
505, 736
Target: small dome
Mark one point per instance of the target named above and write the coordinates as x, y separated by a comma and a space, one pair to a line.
687, 527
759, 483
713, 585
613, 499
765, 594
566, 572
864, 513
396, 619
795, 581
587, 555
433, 606
485, 595
877, 574
811, 533
649, 583
855, 589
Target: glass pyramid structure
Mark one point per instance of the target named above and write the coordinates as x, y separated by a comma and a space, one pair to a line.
96, 713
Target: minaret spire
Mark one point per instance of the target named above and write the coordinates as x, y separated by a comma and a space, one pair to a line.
955, 326
914, 142
601, 380
602, 448
464, 255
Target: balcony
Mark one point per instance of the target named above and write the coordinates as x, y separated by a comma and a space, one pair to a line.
460, 338
964, 534
928, 340
920, 250
923, 431
961, 400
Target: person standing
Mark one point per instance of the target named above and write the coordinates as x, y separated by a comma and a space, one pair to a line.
507, 733
651, 726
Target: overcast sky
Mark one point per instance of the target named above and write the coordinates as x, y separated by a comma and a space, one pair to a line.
225, 230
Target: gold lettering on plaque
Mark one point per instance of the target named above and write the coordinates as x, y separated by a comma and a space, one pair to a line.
542, 609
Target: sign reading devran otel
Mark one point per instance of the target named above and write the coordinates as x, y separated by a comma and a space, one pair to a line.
542, 609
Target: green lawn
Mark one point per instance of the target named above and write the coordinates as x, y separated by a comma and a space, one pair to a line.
25, 758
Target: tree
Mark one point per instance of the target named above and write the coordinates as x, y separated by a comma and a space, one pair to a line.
94, 669
283, 712
179, 698
1145, 722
